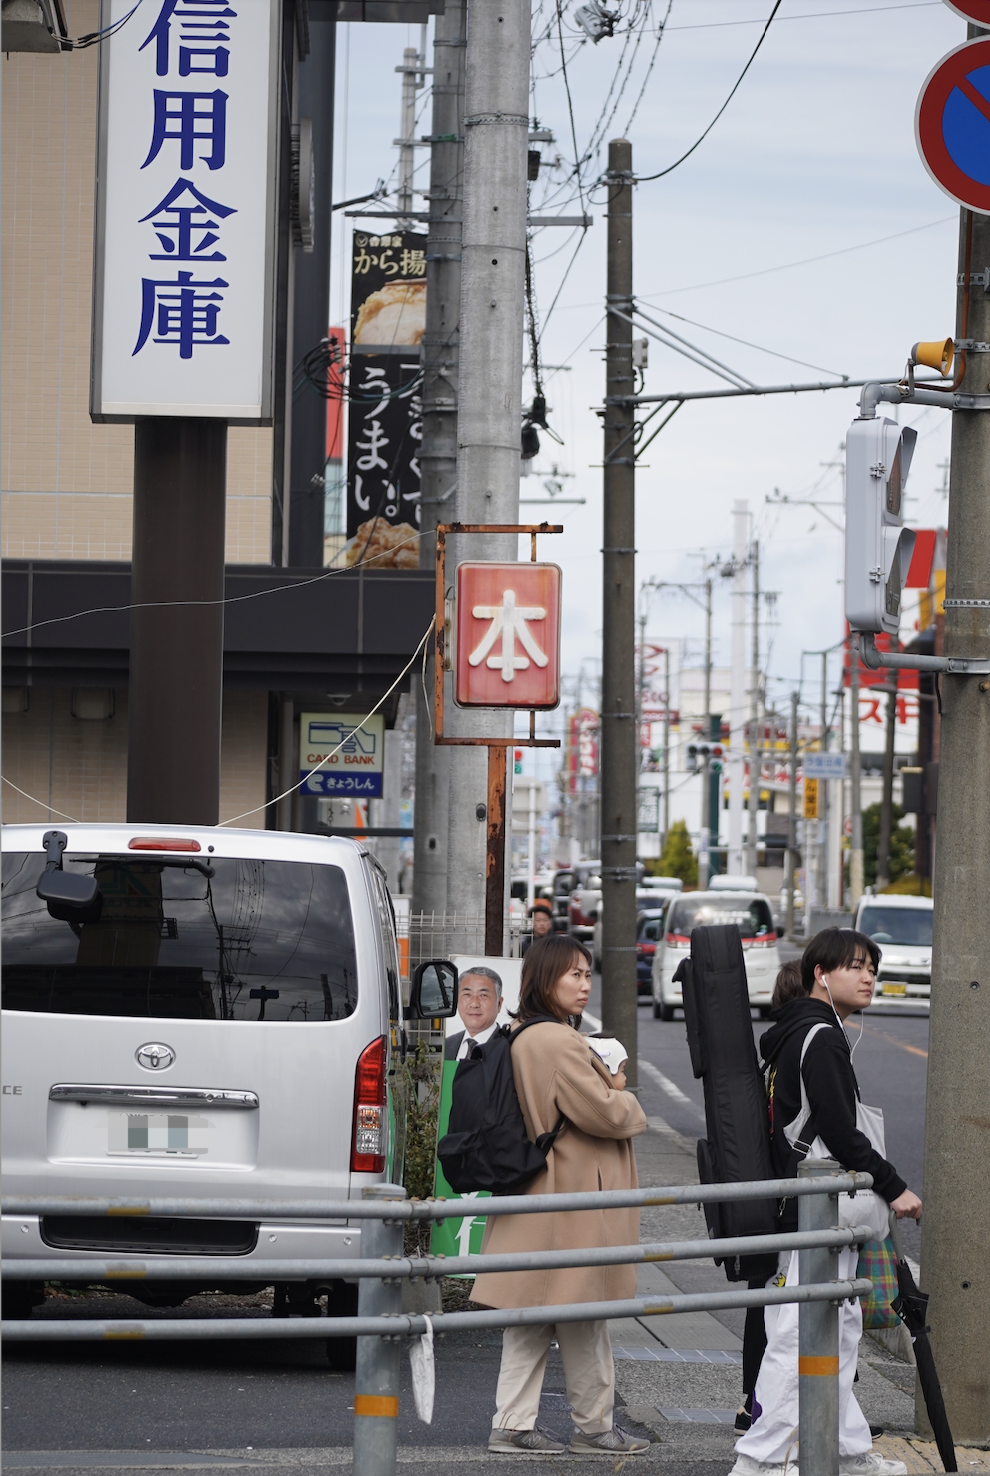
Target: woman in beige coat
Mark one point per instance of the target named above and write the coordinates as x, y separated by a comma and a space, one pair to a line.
557, 1074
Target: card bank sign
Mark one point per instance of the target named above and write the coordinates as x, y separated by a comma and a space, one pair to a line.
341, 753
185, 233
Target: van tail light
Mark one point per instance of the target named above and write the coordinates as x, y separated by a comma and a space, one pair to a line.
769, 941
677, 940
645, 950
370, 1110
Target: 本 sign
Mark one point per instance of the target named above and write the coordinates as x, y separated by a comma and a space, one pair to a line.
185, 240
341, 753
508, 635
952, 125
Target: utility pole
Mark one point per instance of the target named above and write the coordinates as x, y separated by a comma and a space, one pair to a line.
755, 724
957, 1143
856, 879
791, 854
737, 698
887, 791
438, 452
618, 735
413, 71
666, 746
824, 797
496, 131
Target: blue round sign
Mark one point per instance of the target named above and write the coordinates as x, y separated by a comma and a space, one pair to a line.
952, 125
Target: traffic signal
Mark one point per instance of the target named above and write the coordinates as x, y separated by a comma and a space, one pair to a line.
878, 546
810, 811
697, 754
517, 760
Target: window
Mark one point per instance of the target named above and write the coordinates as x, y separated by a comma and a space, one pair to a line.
752, 917
649, 929
259, 940
911, 927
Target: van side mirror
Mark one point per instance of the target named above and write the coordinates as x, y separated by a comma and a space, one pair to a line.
69, 897
434, 991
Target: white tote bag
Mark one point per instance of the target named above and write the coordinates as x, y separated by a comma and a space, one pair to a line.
865, 1207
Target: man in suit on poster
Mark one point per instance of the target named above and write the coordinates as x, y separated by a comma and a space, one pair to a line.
479, 999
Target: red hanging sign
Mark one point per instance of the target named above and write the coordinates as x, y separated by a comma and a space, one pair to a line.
508, 635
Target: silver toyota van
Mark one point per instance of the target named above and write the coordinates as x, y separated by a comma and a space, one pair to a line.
196, 1012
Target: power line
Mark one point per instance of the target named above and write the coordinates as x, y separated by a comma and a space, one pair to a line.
646, 178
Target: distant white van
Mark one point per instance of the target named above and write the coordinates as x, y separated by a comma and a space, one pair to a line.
749, 910
205, 1013
901, 927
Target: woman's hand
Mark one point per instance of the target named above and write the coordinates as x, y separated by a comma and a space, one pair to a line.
619, 1080
907, 1206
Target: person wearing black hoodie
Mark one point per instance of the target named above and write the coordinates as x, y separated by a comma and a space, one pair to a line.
838, 973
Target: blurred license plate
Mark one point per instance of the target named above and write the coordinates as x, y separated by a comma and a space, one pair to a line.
895, 989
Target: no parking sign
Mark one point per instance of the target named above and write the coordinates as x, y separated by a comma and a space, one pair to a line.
952, 120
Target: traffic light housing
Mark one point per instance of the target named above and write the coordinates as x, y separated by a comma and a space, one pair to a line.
878, 546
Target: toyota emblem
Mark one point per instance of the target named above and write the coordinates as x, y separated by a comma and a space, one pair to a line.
154, 1056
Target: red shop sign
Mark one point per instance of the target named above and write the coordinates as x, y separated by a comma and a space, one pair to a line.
508, 635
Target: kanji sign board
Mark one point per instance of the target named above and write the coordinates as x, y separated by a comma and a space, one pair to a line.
952, 125
508, 635
341, 753
185, 228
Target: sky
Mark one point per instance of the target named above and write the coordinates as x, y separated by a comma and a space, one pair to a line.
805, 223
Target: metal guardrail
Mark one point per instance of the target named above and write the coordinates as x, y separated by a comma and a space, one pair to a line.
398, 1207
381, 1327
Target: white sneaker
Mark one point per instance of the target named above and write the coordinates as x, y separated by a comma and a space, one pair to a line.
870, 1463
746, 1466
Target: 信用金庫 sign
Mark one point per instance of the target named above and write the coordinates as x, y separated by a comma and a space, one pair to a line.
185, 233
341, 753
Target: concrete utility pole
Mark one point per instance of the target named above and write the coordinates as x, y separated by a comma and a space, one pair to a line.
790, 856
957, 1140
755, 723
413, 76
496, 128
737, 690
438, 453
823, 795
619, 742
856, 879
666, 745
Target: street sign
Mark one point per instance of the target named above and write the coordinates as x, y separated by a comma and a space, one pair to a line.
810, 810
974, 10
185, 215
341, 753
824, 765
952, 123
508, 635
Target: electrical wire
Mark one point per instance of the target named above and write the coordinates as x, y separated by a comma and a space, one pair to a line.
646, 178
231, 600
327, 757
35, 801
92, 38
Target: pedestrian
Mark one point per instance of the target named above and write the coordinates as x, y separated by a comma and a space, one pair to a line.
557, 1074
787, 986
816, 1112
540, 922
479, 999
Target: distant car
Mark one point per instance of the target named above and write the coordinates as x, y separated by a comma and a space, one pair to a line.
750, 911
584, 900
649, 929
901, 927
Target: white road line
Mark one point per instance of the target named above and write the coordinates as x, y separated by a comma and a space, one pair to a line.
666, 1085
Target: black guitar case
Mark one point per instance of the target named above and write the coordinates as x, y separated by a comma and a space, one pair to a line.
723, 1054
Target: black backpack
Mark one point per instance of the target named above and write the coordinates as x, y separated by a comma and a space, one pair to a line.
720, 1039
486, 1146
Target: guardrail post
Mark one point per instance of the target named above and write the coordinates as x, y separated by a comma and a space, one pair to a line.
376, 1381
818, 1333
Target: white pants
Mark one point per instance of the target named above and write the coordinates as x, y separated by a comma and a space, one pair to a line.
589, 1374
773, 1435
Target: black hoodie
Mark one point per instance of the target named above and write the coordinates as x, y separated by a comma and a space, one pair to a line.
832, 1090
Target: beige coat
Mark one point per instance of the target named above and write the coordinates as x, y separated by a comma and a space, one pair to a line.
556, 1072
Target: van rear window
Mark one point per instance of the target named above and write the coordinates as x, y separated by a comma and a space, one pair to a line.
258, 940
